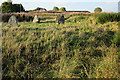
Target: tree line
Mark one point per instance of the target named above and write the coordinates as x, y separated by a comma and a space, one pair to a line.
8, 7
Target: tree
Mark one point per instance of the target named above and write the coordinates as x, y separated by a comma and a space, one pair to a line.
8, 7
37, 9
18, 8
62, 9
55, 8
98, 9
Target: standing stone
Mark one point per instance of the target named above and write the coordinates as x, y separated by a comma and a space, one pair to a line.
13, 21
36, 19
75, 20
60, 19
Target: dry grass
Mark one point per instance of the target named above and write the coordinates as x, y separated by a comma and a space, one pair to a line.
84, 49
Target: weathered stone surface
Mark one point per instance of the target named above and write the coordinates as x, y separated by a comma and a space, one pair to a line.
60, 19
36, 19
13, 21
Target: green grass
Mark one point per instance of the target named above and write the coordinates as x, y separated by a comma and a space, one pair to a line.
81, 49
108, 17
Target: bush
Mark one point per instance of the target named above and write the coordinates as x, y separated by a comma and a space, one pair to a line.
39, 9
98, 9
5, 18
62, 9
55, 8
18, 8
8, 7
108, 17
20, 18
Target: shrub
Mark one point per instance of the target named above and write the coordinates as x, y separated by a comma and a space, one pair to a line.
62, 9
98, 9
8, 7
108, 17
55, 8
18, 8
5, 18
39, 9
20, 18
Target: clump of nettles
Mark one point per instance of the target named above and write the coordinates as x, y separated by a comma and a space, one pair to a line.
60, 19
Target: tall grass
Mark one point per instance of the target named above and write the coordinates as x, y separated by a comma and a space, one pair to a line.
72, 50
108, 17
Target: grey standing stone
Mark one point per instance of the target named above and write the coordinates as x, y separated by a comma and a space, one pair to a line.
13, 21
36, 19
60, 19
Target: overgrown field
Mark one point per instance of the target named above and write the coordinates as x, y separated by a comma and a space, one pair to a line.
80, 48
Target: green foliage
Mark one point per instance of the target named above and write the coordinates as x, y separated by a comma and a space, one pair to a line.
18, 8
38, 9
98, 9
20, 18
108, 17
8, 7
62, 9
55, 8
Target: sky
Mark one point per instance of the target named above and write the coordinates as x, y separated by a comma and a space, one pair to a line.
71, 5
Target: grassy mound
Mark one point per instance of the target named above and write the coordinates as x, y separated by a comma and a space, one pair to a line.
47, 50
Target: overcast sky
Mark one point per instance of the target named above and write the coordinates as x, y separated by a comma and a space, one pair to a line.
87, 5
